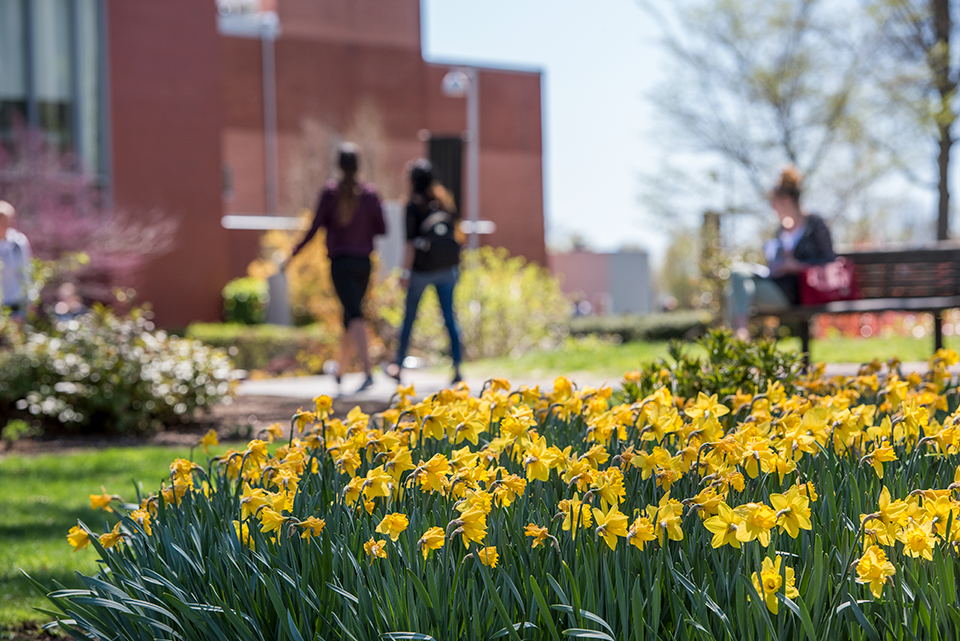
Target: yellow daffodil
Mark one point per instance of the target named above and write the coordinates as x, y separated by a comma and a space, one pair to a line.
488, 556
879, 456
707, 405
610, 525
641, 532
534, 463
432, 475
111, 538
538, 533
393, 525
576, 516
472, 525
270, 520
243, 534
377, 483
312, 526
256, 453
324, 407
78, 538
918, 540
142, 518
508, 489
432, 539
792, 511
874, 568
771, 579
209, 440
725, 527
757, 521
375, 549
101, 501
666, 517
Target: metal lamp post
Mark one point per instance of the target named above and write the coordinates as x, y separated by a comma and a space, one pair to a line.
458, 83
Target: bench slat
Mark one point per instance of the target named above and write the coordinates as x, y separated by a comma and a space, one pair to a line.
864, 305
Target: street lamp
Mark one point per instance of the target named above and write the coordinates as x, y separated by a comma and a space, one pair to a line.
459, 83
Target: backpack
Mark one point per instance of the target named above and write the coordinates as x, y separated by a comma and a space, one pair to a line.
437, 243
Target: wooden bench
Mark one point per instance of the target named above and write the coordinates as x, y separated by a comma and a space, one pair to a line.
924, 279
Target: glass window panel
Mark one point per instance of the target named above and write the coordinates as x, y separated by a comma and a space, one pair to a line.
13, 63
88, 45
52, 69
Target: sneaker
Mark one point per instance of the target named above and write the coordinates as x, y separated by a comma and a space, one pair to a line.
456, 379
332, 368
367, 384
393, 371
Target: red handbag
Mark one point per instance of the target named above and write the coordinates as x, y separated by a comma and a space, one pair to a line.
821, 284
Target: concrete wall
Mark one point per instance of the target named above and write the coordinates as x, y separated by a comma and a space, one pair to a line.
631, 289
617, 283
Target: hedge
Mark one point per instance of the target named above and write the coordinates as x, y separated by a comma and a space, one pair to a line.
644, 327
256, 346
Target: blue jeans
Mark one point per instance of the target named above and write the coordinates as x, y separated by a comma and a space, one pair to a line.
749, 292
444, 280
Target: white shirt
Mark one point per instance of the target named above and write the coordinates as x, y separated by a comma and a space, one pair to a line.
14, 268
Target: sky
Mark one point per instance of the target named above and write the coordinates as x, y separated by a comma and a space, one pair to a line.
599, 62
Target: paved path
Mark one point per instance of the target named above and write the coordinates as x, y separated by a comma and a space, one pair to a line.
428, 382
425, 382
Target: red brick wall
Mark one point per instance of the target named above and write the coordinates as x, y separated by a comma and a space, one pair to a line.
511, 153
374, 23
335, 57
166, 127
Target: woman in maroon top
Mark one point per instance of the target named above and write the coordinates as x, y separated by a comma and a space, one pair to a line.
352, 215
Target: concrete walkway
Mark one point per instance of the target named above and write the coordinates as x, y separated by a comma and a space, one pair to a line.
425, 382
428, 382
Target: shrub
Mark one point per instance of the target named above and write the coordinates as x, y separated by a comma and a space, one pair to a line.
245, 301
257, 347
103, 372
504, 306
685, 324
731, 366
313, 300
826, 514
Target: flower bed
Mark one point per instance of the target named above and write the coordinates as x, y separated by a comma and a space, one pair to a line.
825, 512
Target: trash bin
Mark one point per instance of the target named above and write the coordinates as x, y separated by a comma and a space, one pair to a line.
278, 309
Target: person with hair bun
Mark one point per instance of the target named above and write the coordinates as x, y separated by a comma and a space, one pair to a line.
803, 240
432, 258
352, 214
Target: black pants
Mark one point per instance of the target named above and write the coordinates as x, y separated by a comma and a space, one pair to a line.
351, 276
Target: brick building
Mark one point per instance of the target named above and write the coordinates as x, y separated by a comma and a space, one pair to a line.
202, 109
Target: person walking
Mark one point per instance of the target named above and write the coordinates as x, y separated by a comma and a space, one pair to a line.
432, 257
14, 266
352, 215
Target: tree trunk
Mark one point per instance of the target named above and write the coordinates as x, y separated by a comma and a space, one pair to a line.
943, 186
942, 67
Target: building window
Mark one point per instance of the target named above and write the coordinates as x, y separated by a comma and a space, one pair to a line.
51, 77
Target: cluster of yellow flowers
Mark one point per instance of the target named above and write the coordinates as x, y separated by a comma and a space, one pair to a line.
495, 445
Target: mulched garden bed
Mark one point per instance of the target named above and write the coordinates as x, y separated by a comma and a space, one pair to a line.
239, 420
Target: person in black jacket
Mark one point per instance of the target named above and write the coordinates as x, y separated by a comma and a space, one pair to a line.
432, 257
803, 240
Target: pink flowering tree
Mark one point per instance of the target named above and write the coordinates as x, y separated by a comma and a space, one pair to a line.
64, 212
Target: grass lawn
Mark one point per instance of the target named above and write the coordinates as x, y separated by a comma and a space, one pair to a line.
41, 498
606, 359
